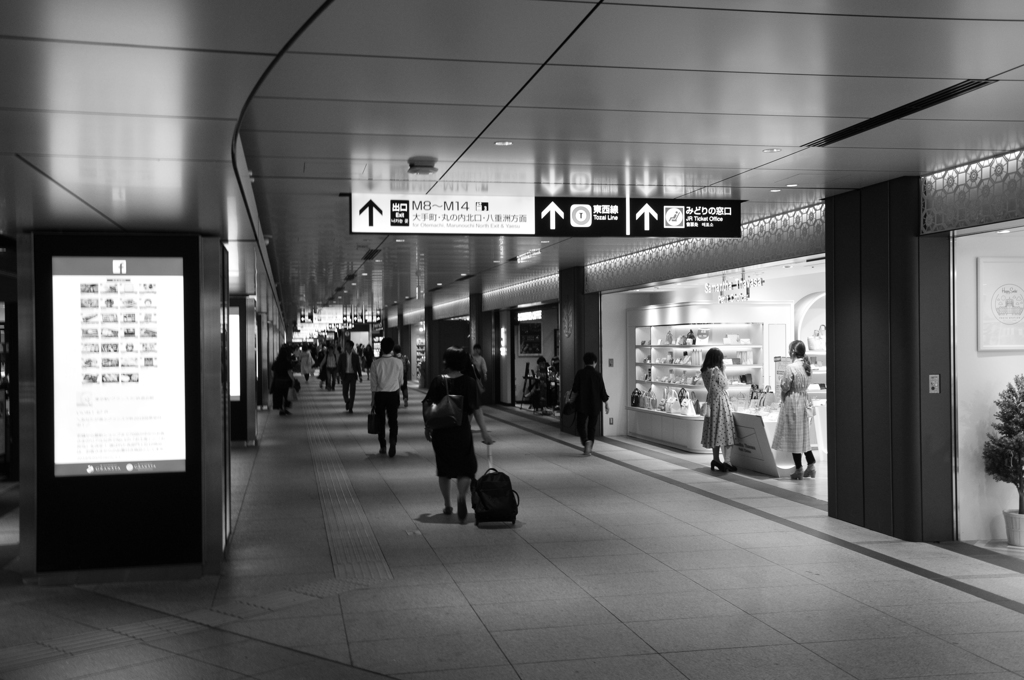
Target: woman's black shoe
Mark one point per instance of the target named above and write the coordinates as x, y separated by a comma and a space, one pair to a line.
729, 467
462, 510
447, 509
715, 465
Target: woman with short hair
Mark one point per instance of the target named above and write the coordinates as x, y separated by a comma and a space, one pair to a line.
453, 446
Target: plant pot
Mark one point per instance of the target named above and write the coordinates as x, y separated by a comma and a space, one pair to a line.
1014, 528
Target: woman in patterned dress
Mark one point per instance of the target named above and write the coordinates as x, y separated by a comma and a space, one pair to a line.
793, 433
719, 429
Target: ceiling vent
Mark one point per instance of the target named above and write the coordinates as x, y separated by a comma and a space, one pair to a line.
371, 254
910, 109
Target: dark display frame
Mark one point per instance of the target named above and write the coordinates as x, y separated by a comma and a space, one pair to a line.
117, 522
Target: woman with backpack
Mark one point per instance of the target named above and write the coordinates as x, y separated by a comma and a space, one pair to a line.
453, 446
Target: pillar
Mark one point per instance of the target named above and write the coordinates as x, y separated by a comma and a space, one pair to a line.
580, 328
889, 328
481, 330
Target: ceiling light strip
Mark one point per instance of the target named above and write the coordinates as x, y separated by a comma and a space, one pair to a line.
448, 310
534, 290
793, 234
974, 194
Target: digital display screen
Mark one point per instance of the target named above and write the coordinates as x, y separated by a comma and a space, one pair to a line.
118, 365
234, 356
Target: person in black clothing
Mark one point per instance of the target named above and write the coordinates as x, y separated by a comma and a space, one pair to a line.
283, 379
453, 446
588, 394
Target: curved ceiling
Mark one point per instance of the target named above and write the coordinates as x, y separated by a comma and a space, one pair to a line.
119, 115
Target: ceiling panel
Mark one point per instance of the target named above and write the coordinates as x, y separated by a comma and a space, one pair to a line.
31, 201
167, 195
996, 136
699, 39
394, 80
999, 101
101, 135
620, 126
975, 9
341, 146
494, 30
241, 25
715, 92
366, 117
95, 79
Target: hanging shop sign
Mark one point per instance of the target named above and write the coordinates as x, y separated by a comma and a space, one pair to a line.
427, 215
734, 290
544, 216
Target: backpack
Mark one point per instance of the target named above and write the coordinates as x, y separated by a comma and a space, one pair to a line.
634, 398
493, 498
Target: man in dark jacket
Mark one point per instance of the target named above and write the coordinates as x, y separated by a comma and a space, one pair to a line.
588, 394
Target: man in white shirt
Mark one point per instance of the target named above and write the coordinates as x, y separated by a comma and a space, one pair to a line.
385, 382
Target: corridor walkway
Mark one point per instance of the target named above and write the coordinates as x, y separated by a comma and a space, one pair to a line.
634, 563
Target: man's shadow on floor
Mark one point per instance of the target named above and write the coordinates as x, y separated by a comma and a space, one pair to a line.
440, 518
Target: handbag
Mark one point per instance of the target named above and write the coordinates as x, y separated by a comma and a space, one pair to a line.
569, 407
371, 422
634, 398
447, 412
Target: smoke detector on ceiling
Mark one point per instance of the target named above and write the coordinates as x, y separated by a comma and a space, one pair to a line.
422, 165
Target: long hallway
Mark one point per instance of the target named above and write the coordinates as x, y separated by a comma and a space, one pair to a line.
633, 563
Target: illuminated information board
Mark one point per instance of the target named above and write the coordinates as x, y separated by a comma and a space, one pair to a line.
118, 366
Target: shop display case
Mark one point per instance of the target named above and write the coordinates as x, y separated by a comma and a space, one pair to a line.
668, 358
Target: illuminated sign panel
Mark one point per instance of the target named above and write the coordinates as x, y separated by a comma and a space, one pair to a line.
118, 365
462, 215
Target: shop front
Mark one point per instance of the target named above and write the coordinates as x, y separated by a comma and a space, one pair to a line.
535, 360
988, 338
662, 333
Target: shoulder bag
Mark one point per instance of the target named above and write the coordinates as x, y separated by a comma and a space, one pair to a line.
447, 412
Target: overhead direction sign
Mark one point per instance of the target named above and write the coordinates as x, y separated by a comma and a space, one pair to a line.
461, 215
574, 216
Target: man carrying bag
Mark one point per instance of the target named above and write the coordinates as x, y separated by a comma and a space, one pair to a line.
385, 383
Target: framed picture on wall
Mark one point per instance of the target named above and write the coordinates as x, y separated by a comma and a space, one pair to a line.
1000, 304
529, 338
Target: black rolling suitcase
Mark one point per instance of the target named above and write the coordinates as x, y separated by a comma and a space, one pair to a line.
494, 500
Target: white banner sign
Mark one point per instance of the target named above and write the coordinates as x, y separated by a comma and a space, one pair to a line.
464, 215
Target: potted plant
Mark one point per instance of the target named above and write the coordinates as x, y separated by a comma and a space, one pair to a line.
1004, 453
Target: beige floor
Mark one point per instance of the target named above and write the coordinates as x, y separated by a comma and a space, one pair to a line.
633, 563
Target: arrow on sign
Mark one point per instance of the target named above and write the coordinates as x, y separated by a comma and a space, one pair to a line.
552, 210
648, 212
371, 206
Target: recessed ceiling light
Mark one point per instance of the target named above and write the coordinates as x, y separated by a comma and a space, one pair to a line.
440, 284
353, 283
503, 143
399, 240
775, 191
463, 274
792, 185
497, 262
365, 274
378, 260
545, 241
1003, 231
773, 149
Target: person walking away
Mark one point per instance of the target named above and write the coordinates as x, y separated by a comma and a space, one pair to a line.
306, 363
330, 365
406, 368
793, 432
588, 394
453, 446
282, 380
385, 383
719, 428
480, 364
350, 367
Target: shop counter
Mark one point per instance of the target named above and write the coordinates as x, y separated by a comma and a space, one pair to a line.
754, 430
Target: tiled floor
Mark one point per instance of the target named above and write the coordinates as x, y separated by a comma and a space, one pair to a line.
634, 563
